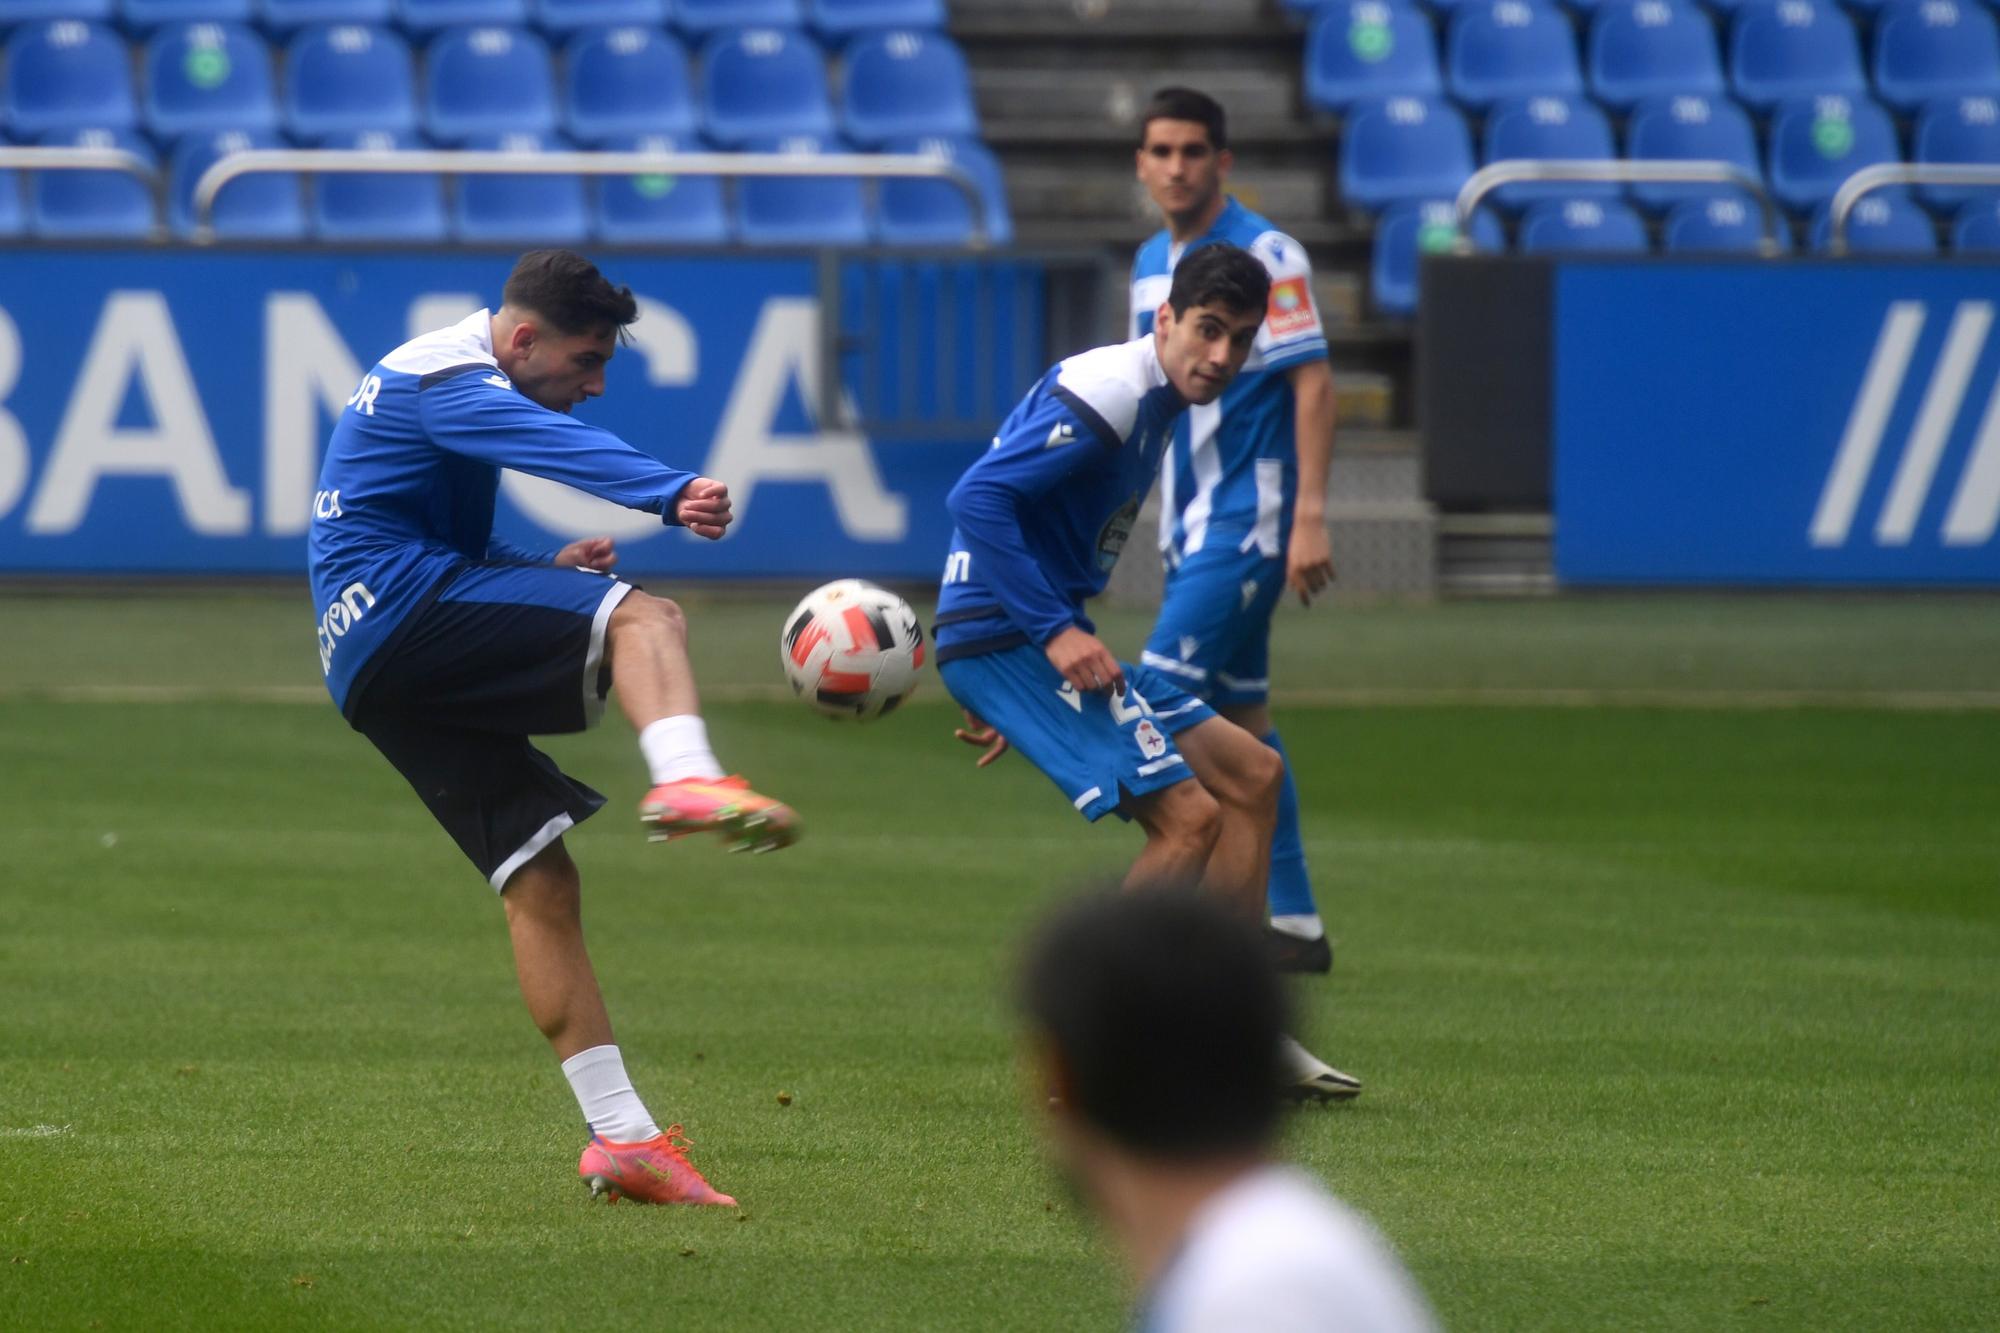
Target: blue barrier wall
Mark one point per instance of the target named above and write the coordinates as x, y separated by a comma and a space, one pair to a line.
166, 413
1823, 423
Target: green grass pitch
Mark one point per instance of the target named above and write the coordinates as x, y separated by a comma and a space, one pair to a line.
1671, 1017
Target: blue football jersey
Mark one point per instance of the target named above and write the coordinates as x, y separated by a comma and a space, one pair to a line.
1043, 514
1232, 472
407, 489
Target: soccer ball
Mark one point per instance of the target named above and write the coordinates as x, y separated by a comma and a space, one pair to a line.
852, 650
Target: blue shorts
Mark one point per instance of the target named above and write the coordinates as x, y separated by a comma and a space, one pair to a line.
1213, 635
1097, 749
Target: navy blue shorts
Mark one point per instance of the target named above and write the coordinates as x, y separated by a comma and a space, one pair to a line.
501, 653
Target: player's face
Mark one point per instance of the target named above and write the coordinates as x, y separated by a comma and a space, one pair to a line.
1179, 167
560, 370
1203, 348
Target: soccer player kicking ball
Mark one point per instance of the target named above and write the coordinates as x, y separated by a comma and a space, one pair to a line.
448, 648
1041, 518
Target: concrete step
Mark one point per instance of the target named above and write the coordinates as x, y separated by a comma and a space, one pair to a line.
1075, 89
1372, 467
1496, 555
1365, 399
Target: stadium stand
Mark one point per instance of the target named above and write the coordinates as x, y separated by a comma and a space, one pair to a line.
560, 17
764, 83
15, 12
1365, 50
1791, 49
684, 210
91, 204
13, 212
1652, 48
1976, 230
1817, 143
904, 84
701, 17
427, 16
1410, 230
488, 81
66, 75
1557, 128
1404, 148
362, 207
265, 207
1688, 129
627, 81
142, 16
205, 78
280, 17
1881, 223
1569, 226
801, 210
836, 19
1511, 48
919, 212
521, 209
346, 79
1926, 49
1957, 129
1720, 225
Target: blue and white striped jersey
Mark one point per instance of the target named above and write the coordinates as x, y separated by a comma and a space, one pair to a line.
1232, 473
407, 489
1043, 514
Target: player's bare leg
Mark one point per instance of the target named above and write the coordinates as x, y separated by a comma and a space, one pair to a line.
1181, 824
1243, 774
647, 647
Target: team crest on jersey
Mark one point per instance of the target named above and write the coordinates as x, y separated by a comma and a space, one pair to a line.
1151, 743
1291, 308
1112, 536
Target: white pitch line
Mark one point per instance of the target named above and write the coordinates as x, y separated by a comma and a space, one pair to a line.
34, 1132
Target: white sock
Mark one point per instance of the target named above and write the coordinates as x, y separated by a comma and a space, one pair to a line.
1305, 926
676, 748
597, 1077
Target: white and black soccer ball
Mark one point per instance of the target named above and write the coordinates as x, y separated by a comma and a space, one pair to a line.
852, 650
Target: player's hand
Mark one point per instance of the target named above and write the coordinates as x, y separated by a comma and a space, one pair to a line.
703, 507
1085, 662
981, 735
1308, 561
591, 553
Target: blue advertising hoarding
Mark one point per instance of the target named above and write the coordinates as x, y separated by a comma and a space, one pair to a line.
166, 412
1744, 422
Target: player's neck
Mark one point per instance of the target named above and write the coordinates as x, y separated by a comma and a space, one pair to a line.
1194, 226
1148, 1205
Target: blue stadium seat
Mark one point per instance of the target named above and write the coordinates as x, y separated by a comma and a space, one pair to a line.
655, 209
1570, 226
702, 17
836, 19
1722, 224
1549, 127
204, 78
1881, 224
284, 16
1652, 48
1511, 48
1926, 49
1410, 230
524, 209
1688, 129
91, 204
1366, 50
268, 208
1957, 129
487, 81
1819, 142
147, 15
800, 210
1976, 230
66, 75
13, 212
342, 80
352, 207
627, 81
1791, 49
425, 16
902, 84
1403, 148
14, 12
918, 212
561, 17
764, 83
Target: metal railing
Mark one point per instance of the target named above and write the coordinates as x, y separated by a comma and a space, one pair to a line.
1514, 171
1870, 179
55, 158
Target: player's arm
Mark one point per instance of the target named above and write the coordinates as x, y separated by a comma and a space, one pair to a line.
1292, 341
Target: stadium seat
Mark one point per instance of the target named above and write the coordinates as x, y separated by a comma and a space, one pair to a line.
487, 81
920, 212
1652, 48
65, 75
204, 78
355, 207
1791, 49
1410, 230
285, 16
1366, 50
1957, 129
562, 17
838, 19
16, 12
626, 81
1881, 224
1819, 142
1976, 229
342, 80
525, 209
1725, 224
91, 204
146, 15
1688, 129
1511, 48
426, 16
801, 210
1404, 148
657, 209
702, 17
260, 207
13, 212
904, 84
1926, 49
1569, 226
764, 83
1549, 127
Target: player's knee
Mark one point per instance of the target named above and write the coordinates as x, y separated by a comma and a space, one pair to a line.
647, 615
1267, 777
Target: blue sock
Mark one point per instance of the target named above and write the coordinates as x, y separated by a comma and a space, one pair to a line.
1291, 891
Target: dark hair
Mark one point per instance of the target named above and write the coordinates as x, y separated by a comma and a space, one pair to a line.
1168, 1017
1187, 104
1220, 275
566, 289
